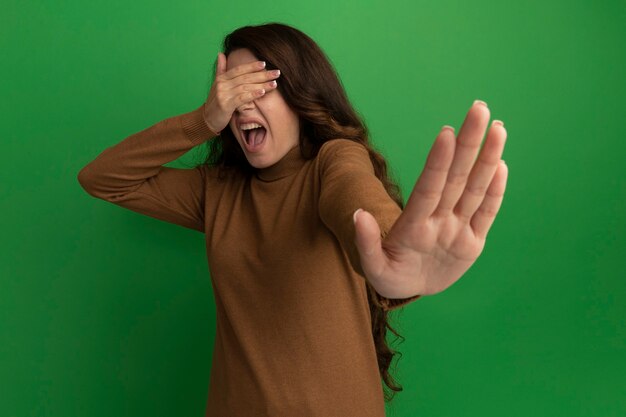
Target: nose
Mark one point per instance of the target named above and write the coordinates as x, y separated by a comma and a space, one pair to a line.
246, 106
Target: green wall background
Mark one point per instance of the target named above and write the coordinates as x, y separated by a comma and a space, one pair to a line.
106, 312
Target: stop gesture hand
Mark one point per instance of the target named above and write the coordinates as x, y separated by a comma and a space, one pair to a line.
442, 229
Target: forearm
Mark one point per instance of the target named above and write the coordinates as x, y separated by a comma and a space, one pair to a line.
124, 166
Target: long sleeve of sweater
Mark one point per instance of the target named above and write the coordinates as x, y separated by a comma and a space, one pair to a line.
131, 173
349, 183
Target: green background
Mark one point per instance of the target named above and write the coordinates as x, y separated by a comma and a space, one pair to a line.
104, 312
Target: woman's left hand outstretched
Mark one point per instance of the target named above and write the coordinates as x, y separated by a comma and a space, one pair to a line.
443, 228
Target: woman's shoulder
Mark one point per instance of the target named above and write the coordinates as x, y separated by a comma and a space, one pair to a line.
342, 151
340, 143
216, 175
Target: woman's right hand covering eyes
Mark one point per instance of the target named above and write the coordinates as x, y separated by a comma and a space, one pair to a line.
233, 88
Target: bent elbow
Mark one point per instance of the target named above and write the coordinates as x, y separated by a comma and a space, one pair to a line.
89, 183
84, 180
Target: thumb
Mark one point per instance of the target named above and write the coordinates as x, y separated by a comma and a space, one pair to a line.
368, 243
221, 63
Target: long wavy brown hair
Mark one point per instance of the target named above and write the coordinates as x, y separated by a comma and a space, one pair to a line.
311, 87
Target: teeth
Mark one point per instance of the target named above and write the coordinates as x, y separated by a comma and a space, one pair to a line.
247, 126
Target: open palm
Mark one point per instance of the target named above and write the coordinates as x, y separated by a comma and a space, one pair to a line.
442, 229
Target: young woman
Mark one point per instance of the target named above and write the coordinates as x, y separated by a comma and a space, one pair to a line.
308, 240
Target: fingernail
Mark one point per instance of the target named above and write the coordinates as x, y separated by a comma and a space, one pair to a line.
262, 64
448, 127
354, 215
480, 102
497, 122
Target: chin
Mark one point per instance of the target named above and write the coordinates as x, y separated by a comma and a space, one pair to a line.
259, 163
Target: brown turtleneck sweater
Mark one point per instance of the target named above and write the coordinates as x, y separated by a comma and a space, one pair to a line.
294, 334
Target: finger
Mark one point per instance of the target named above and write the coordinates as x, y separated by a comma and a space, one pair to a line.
244, 98
482, 173
251, 92
483, 218
243, 69
242, 88
255, 77
427, 191
368, 243
250, 82
221, 63
467, 145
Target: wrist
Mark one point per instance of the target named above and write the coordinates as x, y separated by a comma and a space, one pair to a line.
206, 121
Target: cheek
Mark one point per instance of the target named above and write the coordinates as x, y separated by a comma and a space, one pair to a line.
233, 127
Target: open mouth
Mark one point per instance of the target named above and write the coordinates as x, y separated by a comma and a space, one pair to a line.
254, 137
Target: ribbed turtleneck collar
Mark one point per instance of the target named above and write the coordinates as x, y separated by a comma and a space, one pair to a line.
288, 165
